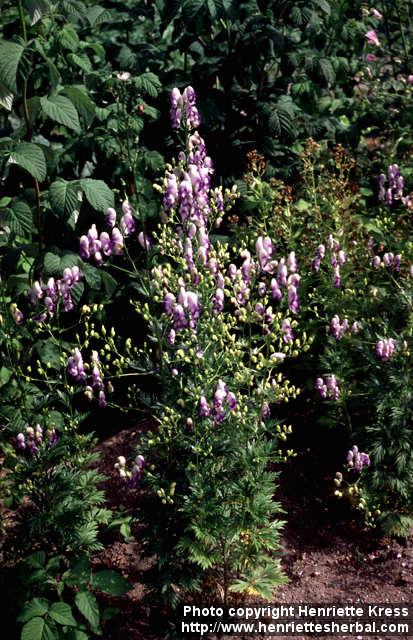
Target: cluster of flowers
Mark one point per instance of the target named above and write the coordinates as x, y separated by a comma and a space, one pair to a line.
33, 438
286, 276
385, 348
222, 399
184, 312
103, 245
340, 327
77, 370
328, 387
389, 260
393, 190
183, 108
338, 258
50, 293
134, 475
357, 460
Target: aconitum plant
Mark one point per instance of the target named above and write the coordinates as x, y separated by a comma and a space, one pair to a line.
224, 320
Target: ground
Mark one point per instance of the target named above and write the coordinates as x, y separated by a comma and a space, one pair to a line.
327, 558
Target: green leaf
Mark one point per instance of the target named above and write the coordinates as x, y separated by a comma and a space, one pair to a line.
96, 15
92, 275
109, 283
5, 375
98, 194
36, 607
33, 630
69, 38
81, 571
51, 264
88, 607
149, 84
63, 196
84, 105
61, 612
81, 61
30, 156
20, 218
77, 292
6, 97
10, 56
36, 9
111, 582
60, 109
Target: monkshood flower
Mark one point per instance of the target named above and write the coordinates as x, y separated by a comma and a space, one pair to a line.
391, 186
102, 245
132, 476
93, 380
185, 311
183, 109
75, 366
371, 37
357, 460
328, 387
16, 314
385, 348
33, 438
340, 327
265, 250
223, 400
288, 335
53, 291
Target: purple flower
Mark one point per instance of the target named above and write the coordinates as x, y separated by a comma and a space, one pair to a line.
219, 300
371, 37
16, 314
287, 331
293, 301
232, 401
385, 348
204, 409
110, 217
127, 222
75, 366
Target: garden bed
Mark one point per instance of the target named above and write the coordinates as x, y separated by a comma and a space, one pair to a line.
327, 560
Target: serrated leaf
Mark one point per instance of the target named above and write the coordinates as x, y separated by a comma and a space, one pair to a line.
6, 97
92, 276
84, 105
88, 607
20, 218
36, 9
60, 109
149, 84
98, 194
10, 56
30, 156
69, 38
109, 283
36, 629
76, 292
63, 196
61, 612
81, 61
96, 15
111, 582
36, 607
51, 264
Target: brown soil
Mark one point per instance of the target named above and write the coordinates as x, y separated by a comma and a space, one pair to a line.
326, 556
